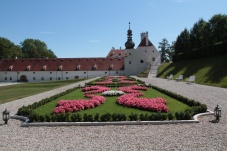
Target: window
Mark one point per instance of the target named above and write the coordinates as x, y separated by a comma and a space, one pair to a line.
50, 78
10, 78
5, 72
28, 68
42, 78
130, 62
105, 72
59, 78
78, 67
129, 53
95, 67
141, 61
67, 78
116, 72
111, 67
84, 72
5, 78
60, 68
76, 77
10, 68
153, 50
50, 72
44, 68
33, 72
153, 59
33, 78
66, 72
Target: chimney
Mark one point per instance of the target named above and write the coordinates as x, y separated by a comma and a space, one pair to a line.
142, 35
146, 38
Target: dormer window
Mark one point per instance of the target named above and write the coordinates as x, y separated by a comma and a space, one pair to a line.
60, 68
44, 68
10, 68
95, 67
111, 67
28, 68
78, 67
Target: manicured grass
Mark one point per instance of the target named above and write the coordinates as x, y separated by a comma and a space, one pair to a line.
13, 92
110, 105
208, 71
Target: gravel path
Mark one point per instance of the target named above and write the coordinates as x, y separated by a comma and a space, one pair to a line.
198, 136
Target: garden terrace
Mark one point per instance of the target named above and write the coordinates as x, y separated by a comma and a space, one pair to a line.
177, 107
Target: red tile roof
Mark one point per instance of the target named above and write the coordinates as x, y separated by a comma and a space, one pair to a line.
143, 42
116, 53
64, 64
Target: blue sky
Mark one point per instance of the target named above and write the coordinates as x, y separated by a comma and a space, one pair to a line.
90, 28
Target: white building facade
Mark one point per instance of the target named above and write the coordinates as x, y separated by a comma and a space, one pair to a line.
128, 61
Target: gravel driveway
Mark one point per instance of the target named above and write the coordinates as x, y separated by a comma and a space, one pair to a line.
198, 136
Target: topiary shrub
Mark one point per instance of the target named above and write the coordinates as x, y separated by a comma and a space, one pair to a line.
133, 117
105, 117
76, 117
170, 116
96, 117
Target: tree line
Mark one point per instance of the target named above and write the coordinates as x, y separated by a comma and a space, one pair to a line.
202, 34
29, 48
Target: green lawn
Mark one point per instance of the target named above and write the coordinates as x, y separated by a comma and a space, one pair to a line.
110, 105
13, 92
208, 71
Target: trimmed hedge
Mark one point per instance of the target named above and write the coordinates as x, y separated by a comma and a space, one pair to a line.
196, 107
204, 52
27, 111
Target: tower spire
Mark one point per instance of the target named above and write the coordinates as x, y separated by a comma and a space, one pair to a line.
129, 44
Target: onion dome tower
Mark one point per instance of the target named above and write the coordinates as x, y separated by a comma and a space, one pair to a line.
129, 44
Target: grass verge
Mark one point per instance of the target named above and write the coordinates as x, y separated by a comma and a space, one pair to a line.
208, 71
18, 91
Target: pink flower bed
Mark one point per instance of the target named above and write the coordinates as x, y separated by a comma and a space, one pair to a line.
64, 106
96, 89
132, 89
106, 81
127, 82
132, 100
154, 104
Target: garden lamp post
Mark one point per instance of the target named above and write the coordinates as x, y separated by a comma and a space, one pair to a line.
217, 112
5, 116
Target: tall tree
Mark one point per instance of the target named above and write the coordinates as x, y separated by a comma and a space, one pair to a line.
9, 49
165, 49
182, 43
218, 26
196, 34
34, 48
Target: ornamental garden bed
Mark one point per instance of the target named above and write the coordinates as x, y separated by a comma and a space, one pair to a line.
93, 103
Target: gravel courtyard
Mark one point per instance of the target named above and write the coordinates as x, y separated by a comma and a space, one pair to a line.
205, 135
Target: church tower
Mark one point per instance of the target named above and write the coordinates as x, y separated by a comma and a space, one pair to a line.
129, 43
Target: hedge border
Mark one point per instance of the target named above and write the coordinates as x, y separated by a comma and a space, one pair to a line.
27, 111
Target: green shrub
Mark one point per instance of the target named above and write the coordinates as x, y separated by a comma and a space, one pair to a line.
133, 117
105, 117
96, 117
170, 116
47, 118
76, 117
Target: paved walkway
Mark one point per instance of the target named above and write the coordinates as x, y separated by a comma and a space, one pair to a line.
198, 136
